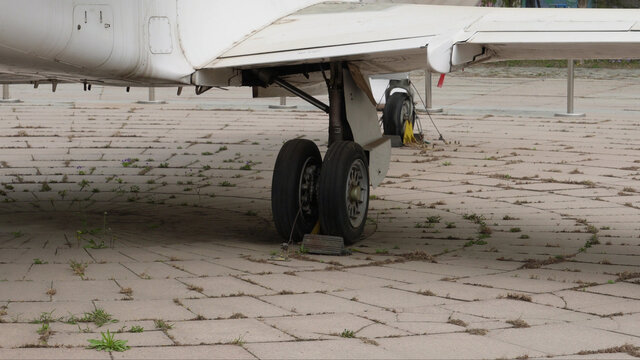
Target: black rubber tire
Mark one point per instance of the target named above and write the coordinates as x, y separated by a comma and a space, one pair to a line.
392, 121
285, 189
334, 216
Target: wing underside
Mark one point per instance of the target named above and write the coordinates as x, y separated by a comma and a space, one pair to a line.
387, 38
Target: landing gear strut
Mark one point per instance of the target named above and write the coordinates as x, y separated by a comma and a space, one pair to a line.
335, 192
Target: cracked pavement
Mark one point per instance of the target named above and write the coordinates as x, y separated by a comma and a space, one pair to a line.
519, 237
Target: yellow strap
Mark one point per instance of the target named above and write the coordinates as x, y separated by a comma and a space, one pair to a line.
408, 134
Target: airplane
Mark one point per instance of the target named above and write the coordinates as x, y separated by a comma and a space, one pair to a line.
299, 47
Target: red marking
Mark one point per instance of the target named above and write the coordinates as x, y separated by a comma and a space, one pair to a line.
441, 81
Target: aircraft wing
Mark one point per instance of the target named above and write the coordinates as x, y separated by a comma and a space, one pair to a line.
388, 38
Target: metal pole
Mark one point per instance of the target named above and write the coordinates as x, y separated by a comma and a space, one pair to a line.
570, 92
428, 90
152, 98
570, 86
6, 98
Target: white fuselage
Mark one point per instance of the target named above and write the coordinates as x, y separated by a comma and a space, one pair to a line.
125, 42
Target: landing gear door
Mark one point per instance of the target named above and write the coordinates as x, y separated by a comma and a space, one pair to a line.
91, 40
363, 120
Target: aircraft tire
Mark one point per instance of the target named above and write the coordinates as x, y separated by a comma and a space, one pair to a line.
395, 113
294, 200
343, 193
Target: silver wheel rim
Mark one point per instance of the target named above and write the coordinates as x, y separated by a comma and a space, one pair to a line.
357, 192
405, 114
307, 188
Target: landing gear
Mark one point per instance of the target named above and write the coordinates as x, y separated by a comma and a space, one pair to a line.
294, 199
333, 193
399, 110
344, 191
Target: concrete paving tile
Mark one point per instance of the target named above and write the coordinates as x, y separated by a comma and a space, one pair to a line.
157, 289
204, 268
53, 354
147, 338
508, 281
614, 356
186, 352
108, 271
390, 298
51, 272
562, 339
81, 290
225, 331
230, 306
289, 283
145, 310
18, 335
455, 290
329, 349
325, 326
505, 309
400, 275
345, 280
13, 271
155, 270
29, 311
227, 286
627, 324
316, 303
453, 346
245, 265
24, 290
444, 270
620, 289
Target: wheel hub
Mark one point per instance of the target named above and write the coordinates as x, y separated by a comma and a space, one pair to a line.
357, 192
308, 188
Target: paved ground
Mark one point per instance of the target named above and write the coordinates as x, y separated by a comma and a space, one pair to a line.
520, 237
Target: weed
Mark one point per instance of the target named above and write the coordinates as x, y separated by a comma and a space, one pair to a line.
238, 316
45, 187
426, 293
38, 261
164, 165
524, 236
457, 322
434, 219
480, 332
239, 341
136, 329
451, 225
221, 149
78, 268
162, 325
226, 184
195, 288
347, 334
207, 153
508, 218
108, 343
17, 234
382, 251
515, 229
515, 296
126, 291
251, 213
45, 318
518, 323
98, 317
446, 163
